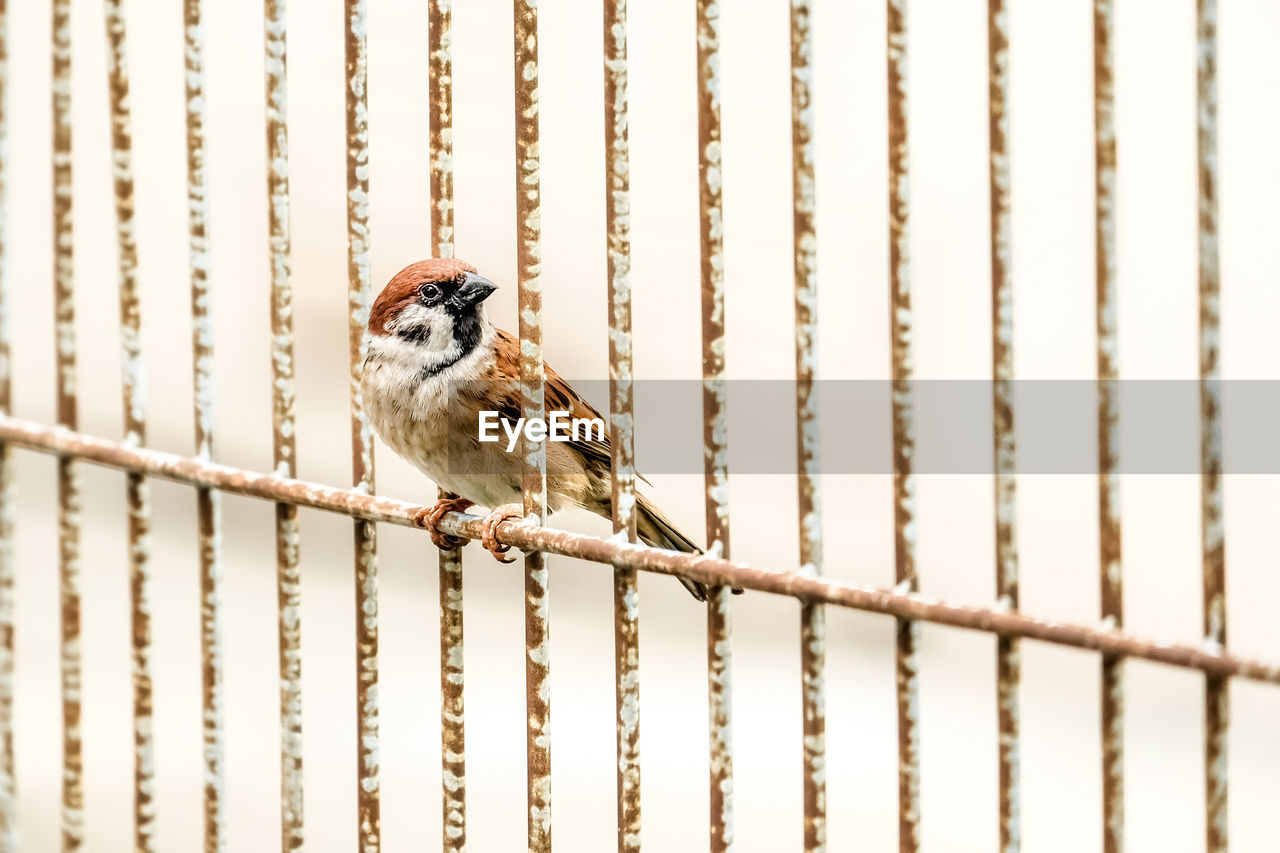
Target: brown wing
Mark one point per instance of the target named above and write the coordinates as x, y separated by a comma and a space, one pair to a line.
560, 397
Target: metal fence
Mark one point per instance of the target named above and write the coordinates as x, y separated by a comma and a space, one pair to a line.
360, 502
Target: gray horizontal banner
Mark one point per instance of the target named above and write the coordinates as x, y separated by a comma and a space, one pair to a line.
1055, 427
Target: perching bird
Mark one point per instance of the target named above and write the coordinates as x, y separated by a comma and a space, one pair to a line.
435, 362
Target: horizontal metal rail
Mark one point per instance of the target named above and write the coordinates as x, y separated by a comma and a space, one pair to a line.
710, 570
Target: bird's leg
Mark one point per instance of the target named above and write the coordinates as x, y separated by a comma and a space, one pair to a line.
490, 526
430, 519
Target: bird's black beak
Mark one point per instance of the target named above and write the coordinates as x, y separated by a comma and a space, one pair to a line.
474, 290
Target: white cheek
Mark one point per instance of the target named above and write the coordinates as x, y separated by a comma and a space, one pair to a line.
436, 320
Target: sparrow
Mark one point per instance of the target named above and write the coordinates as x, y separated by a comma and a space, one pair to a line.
435, 363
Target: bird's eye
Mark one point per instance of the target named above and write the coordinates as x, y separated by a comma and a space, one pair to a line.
429, 292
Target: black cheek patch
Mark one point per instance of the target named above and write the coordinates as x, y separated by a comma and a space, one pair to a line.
416, 335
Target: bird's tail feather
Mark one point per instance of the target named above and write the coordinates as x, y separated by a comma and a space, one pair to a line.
655, 529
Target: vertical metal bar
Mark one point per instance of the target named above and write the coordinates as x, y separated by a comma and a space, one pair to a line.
1008, 661
68, 416
813, 649
904, 484
8, 784
452, 707
358, 301
283, 443
533, 404
1212, 535
138, 494
715, 424
626, 603
1112, 598
208, 501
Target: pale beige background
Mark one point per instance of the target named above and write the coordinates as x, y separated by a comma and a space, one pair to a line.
1051, 109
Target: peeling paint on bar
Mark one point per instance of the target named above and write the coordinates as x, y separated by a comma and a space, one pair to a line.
8, 784
715, 424
720, 701
812, 616
626, 604
284, 443
359, 296
135, 429
208, 501
1112, 598
707, 568
1212, 535
1008, 667
68, 417
453, 769
69, 590
904, 498
532, 405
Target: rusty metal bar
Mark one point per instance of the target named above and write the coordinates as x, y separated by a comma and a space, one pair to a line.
533, 405
284, 443
626, 602
135, 428
1217, 716
715, 425
452, 707
1008, 660
904, 485
67, 416
1112, 593
706, 568
8, 784
813, 646
208, 501
359, 298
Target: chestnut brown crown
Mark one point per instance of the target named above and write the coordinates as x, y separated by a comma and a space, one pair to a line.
455, 282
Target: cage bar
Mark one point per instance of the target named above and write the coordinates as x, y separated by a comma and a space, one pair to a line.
1217, 715
715, 453
813, 648
1008, 659
904, 484
532, 405
138, 494
284, 442
452, 709
208, 501
1112, 592
8, 785
69, 503
626, 603
359, 297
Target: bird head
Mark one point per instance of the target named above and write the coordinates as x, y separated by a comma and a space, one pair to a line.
432, 302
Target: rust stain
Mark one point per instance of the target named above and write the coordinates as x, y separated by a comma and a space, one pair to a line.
1008, 666
67, 415
1212, 533
208, 503
452, 707
715, 420
533, 405
135, 428
1110, 578
284, 442
812, 616
8, 784
626, 605
908, 634
368, 791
